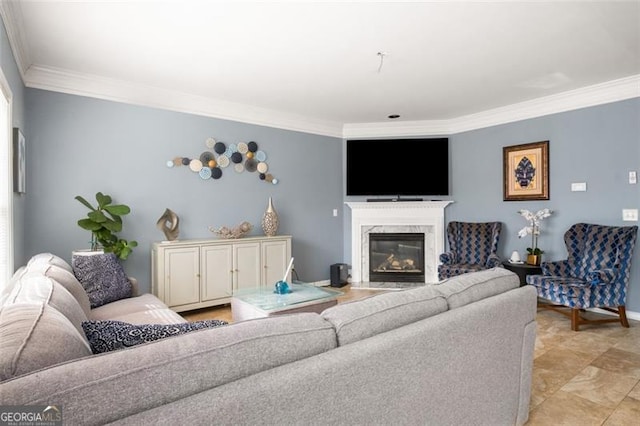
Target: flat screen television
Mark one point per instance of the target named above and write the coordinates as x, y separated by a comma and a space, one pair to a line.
398, 167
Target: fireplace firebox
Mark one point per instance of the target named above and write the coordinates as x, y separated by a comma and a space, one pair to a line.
396, 257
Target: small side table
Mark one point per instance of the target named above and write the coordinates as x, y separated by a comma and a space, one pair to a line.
522, 270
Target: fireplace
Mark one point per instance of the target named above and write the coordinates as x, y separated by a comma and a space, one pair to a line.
396, 257
424, 218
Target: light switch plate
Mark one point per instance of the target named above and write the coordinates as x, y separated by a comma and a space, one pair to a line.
630, 215
578, 186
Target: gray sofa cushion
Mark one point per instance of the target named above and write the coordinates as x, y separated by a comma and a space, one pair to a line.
105, 336
36, 336
467, 288
36, 288
12, 282
152, 316
364, 318
50, 259
132, 305
66, 279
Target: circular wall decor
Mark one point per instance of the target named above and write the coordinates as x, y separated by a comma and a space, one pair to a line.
236, 157
263, 167
216, 173
242, 155
205, 173
251, 165
219, 147
223, 161
206, 156
195, 165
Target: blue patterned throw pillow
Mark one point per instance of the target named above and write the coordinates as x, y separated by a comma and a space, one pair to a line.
110, 335
102, 276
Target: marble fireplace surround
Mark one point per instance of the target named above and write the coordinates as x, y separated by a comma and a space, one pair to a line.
396, 216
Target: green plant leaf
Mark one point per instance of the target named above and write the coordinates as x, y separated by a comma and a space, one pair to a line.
85, 202
103, 200
118, 209
112, 225
89, 225
97, 216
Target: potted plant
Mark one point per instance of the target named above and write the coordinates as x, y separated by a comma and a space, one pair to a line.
105, 221
534, 256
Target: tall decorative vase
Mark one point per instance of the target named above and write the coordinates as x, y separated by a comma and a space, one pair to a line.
270, 220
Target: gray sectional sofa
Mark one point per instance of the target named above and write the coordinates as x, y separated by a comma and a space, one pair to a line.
459, 352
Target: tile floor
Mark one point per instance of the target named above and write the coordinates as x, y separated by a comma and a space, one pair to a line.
590, 377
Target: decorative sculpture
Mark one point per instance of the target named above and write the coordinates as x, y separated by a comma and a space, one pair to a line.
169, 223
237, 232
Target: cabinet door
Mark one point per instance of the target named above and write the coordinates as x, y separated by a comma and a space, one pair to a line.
216, 268
275, 260
182, 275
246, 260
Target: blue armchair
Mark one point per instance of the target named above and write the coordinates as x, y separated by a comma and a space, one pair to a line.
472, 247
594, 275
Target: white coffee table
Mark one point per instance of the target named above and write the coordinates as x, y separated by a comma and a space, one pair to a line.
263, 302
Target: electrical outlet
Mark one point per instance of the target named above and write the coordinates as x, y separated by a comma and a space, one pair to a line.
633, 177
335, 212
630, 215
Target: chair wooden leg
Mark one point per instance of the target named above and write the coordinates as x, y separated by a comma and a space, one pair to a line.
623, 316
575, 319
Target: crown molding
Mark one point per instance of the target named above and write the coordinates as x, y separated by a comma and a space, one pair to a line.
598, 94
11, 14
611, 91
138, 94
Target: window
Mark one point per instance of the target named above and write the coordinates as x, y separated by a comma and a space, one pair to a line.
6, 185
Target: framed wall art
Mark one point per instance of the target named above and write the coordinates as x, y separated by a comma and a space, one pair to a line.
526, 171
19, 159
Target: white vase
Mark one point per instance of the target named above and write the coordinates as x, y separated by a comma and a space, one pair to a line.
270, 220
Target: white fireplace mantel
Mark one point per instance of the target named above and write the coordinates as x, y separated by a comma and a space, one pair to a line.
417, 216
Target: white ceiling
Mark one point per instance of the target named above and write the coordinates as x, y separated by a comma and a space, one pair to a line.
314, 66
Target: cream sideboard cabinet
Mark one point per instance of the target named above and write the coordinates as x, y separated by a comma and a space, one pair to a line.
193, 274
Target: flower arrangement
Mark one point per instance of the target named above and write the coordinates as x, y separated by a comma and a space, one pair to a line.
533, 229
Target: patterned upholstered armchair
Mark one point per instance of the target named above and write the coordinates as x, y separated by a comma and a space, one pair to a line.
472, 247
594, 275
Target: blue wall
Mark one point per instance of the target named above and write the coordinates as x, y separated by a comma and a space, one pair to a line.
79, 146
597, 145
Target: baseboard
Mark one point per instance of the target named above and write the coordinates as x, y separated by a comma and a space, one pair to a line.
322, 283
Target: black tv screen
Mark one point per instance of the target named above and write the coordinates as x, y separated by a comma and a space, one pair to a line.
398, 167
